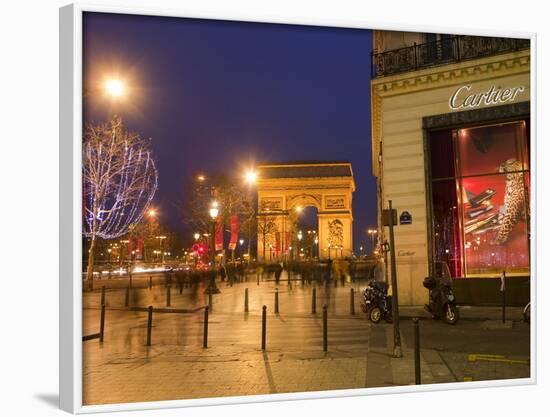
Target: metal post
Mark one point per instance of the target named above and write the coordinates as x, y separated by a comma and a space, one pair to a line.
210, 301
127, 298
351, 302
246, 300
314, 301
102, 322
264, 317
150, 282
257, 278
205, 331
102, 296
276, 300
325, 331
168, 295
395, 302
416, 351
149, 324
503, 290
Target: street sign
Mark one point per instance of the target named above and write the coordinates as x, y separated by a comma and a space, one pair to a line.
389, 217
405, 218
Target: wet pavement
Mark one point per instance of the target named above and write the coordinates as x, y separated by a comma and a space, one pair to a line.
176, 366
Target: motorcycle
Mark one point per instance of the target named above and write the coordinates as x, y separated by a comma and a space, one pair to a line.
442, 303
376, 302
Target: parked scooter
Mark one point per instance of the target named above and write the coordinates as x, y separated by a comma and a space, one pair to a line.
442, 303
376, 302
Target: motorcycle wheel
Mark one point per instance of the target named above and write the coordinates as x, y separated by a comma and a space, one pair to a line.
451, 314
375, 315
527, 313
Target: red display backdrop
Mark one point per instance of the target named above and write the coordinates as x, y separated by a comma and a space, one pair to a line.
493, 198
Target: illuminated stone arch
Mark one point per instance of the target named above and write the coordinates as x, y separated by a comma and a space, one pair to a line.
284, 187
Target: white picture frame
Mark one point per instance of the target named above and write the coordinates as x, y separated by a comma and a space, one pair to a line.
70, 355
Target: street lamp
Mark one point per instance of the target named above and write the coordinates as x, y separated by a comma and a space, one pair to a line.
241, 243
250, 177
299, 236
196, 236
372, 233
213, 211
161, 238
114, 87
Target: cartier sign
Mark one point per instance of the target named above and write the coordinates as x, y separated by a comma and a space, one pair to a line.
465, 97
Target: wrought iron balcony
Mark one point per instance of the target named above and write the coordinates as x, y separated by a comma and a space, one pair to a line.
442, 52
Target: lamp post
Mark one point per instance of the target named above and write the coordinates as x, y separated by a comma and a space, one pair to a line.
300, 236
214, 211
372, 233
316, 247
241, 243
250, 177
161, 238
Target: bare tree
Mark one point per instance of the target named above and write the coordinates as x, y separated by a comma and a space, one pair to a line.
267, 227
119, 182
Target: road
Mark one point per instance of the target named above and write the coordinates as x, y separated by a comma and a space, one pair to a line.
176, 366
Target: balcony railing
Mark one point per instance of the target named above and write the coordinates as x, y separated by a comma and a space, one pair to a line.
442, 52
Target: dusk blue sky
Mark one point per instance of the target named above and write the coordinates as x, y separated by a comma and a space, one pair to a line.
217, 96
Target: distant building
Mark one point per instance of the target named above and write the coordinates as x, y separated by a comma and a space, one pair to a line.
450, 140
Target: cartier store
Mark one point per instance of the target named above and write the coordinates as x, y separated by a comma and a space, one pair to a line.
451, 150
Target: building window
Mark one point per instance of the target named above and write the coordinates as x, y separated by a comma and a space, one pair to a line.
480, 196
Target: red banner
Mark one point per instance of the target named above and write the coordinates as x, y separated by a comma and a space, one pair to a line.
234, 232
139, 250
218, 236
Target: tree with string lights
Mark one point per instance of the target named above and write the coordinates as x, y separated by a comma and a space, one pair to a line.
119, 181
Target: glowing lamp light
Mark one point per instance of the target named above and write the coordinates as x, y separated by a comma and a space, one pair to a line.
251, 177
214, 212
196, 236
114, 87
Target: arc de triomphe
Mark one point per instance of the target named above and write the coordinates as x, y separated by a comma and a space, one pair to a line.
286, 188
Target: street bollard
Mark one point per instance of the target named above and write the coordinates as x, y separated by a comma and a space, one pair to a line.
205, 332
150, 282
503, 291
210, 301
168, 295
102, 322
127, 298
149, 324
264, 318
314, 301
351, 302
276, 300
416, 351
181, 287
130, 280
102, 296
246, 300
325, 331
257, 279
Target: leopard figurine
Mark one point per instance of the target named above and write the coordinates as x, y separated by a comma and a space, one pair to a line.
514, 199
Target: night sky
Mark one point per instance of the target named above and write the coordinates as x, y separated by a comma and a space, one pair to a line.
218, 96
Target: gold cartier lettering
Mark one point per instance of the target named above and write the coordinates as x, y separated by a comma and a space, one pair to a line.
463, 98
